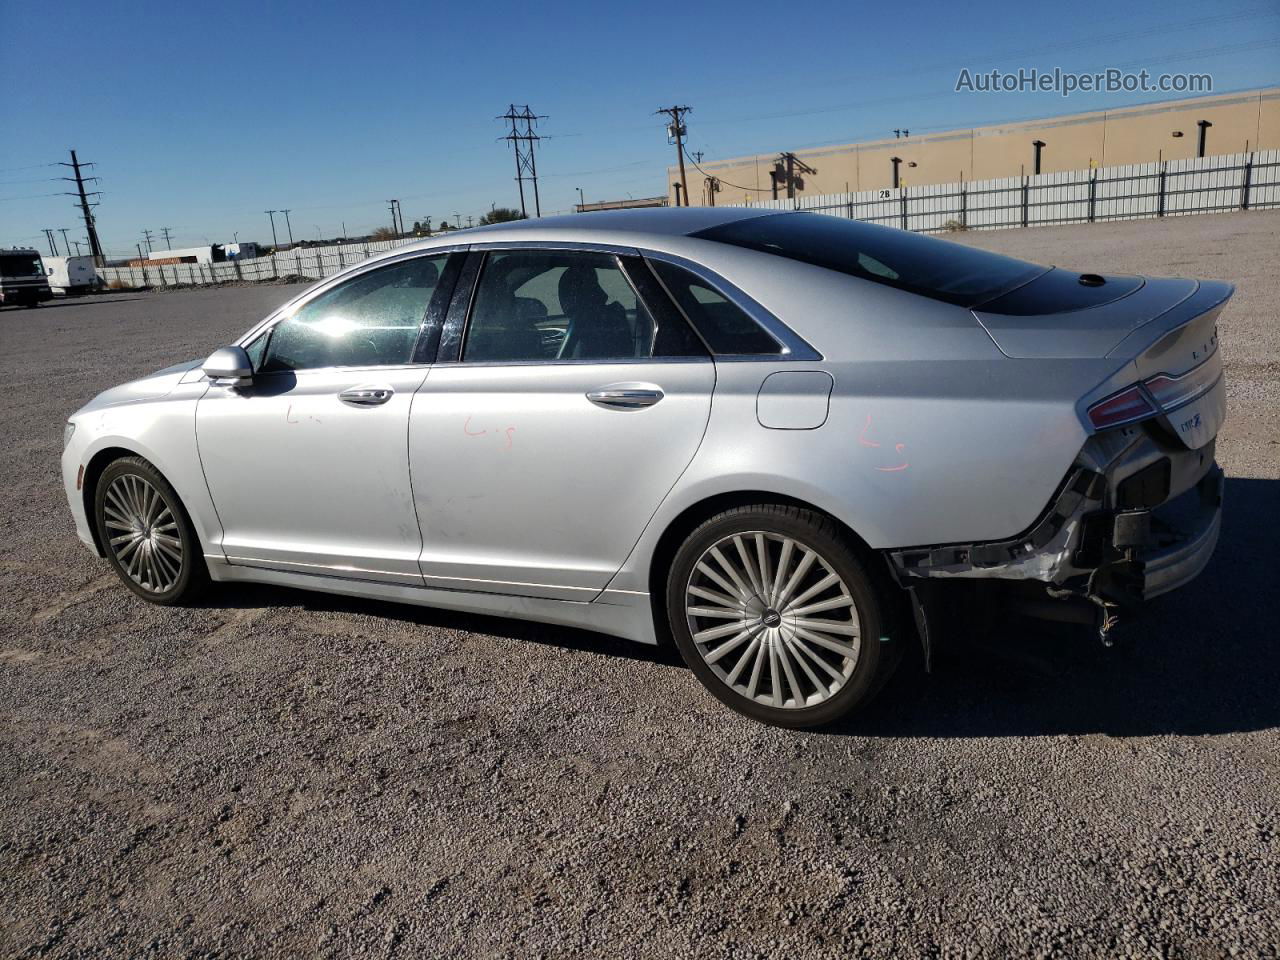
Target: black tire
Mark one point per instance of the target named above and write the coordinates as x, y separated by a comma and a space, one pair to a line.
192, 574
875, 603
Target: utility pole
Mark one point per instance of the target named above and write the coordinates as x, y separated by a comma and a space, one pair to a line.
457, 218
400, 215
395, 226
65, 242
288, 225
141, 258
469, 219
48, 235
274, 242
526, 163
582, 201
95, 246
167, 244
675, 134
785, 168
146, 235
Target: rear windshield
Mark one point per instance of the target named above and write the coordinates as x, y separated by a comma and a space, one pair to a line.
934, 268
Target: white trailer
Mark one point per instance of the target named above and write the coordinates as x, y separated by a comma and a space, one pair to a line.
71, 275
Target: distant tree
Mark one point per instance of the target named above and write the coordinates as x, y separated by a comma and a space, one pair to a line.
445, 225
501, 215
383, 233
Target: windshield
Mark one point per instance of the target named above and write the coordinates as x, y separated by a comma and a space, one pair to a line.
20, 265
934, 268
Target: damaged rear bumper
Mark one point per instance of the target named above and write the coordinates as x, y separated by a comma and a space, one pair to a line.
1137, 517
1186, 538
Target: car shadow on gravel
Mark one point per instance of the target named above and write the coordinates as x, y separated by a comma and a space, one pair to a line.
247, 595
1199, 661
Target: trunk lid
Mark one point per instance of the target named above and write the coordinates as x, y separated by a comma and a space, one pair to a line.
1063, 315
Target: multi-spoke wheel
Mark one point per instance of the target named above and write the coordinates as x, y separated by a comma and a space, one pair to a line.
775, 614
146, 533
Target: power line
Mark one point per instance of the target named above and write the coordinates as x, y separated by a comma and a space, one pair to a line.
526, 163
34, 166
736, 186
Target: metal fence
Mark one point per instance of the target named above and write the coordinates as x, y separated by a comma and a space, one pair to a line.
308, 263
1244, 181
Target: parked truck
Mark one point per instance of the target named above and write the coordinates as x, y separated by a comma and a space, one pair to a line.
23, 281
70, 276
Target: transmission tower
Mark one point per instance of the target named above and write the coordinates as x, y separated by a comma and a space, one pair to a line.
86, 207
522, 138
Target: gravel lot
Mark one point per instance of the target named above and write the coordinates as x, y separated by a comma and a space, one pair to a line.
280, 773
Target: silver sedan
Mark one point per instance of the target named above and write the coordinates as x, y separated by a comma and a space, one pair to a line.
782, 440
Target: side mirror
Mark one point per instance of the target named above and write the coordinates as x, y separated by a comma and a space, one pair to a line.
229, 367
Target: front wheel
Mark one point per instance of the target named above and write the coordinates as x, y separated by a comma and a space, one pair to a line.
148, 537
775, 613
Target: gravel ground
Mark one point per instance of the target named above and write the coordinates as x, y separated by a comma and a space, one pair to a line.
280, 773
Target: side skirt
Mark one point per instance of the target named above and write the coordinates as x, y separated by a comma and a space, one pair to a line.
615, 612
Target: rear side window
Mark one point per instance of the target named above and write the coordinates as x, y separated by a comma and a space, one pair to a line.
938, 269
726, 327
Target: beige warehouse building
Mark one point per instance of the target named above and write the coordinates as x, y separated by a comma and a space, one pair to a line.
1229, 123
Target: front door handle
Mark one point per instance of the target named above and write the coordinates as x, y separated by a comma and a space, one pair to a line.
366, 396
625, 398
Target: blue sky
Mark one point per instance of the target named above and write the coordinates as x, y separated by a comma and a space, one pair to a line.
202, 116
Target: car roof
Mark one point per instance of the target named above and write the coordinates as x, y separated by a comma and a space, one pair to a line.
621, 227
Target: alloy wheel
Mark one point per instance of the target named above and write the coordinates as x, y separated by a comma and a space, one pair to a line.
773, 620
143, 533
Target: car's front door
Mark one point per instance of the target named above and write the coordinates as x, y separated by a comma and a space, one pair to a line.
542, 445
308, 466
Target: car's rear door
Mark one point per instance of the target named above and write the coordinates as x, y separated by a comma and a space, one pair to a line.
556, 418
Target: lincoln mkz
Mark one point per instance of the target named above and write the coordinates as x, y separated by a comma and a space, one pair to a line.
774, 438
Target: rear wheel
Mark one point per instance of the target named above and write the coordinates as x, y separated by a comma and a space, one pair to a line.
148, 537
778, 617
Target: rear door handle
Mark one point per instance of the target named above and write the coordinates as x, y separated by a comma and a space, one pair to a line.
366, 396
625, 398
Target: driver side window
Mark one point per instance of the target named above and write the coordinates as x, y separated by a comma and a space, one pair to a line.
370, 320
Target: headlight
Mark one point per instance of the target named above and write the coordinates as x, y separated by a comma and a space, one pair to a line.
67, 432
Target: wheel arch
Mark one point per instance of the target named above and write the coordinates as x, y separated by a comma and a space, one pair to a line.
93, 471
692, 516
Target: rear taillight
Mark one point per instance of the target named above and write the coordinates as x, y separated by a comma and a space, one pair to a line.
1172, 392
1123, 407
1156, 395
